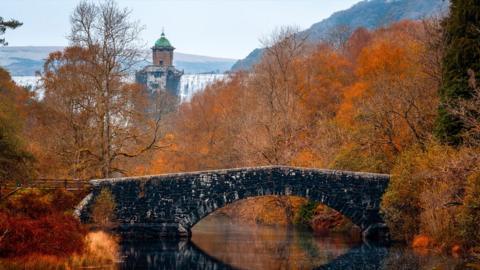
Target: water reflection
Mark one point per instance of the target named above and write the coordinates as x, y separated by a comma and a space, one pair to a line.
167, 255
363, 257
301, 253
220, 245
260, 247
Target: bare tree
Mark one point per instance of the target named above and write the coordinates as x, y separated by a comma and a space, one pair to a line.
107, 30
468, 111
337, 37
433, 39
112, 117
272, 121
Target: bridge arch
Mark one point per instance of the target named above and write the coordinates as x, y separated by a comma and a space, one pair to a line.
170, 205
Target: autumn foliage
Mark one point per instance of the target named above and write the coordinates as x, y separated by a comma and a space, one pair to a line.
54, 234
365, 102
312, 106
35, 222
368, 105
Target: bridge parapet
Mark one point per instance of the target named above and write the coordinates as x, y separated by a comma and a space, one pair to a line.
170, 205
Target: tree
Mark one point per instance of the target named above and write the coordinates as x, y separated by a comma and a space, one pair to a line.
106, 30
101, 121
273, 123
431, 191
77, 109
15, 160
4, 25
103, 210
393, 103
468, 112
338, 36
356, 42
470, 214
462, 53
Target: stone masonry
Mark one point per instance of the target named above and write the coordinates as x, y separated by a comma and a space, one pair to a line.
170, 205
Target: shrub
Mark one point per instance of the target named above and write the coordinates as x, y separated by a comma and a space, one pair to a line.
54, 234
470, 214
35, 222
426, 191
30, 204
103, 211
356, 158
401, 204
34, 203
306, 213
101, 250
63, 200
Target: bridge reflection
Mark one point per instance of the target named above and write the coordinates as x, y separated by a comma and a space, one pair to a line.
221, 244
258, 247
187, 255
167, 255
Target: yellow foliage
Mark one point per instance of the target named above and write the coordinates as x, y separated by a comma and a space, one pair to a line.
424, 195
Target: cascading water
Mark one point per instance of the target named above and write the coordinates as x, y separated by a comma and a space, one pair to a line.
194, 83
189, 84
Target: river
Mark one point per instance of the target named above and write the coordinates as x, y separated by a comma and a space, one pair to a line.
219, 244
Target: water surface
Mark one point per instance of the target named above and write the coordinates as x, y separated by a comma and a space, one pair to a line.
224, 245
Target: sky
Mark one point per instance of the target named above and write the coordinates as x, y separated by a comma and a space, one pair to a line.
221, 28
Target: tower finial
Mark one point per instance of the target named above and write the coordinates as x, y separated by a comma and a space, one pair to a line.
163, 31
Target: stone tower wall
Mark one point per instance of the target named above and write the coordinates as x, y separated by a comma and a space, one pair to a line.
162, 56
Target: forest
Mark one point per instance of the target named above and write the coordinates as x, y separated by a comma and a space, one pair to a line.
402, 100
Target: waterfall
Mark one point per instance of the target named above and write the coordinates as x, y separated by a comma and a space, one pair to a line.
189, 84
193, 83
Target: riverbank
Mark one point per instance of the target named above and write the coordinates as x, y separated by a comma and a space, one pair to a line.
288, 212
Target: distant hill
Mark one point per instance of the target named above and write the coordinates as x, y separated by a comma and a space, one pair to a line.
25, 61
370, 14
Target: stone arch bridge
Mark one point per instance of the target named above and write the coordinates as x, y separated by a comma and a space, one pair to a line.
170, 205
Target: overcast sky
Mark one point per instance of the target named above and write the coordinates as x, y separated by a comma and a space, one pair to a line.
222, 28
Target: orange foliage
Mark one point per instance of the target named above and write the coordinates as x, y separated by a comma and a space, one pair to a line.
266, 210
393, 102
310, 106
99, 249
13, 94
303, 105
326, 73
35, 222
421, 242
347, 110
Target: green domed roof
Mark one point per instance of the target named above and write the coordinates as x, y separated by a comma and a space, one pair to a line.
163, 42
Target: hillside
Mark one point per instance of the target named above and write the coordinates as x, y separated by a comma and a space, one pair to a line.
25, 61
370, 14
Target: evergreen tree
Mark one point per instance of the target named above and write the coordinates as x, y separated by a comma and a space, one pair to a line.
12, 24
462, 53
